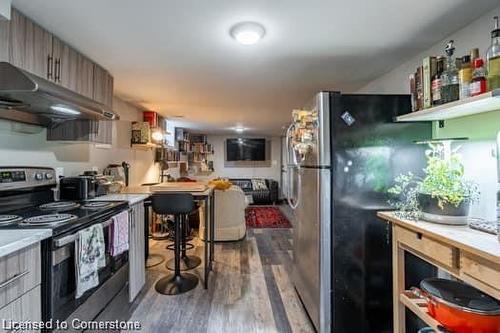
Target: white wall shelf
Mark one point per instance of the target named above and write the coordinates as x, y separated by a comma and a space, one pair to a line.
483, 103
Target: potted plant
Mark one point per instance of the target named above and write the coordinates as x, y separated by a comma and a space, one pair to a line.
443, 195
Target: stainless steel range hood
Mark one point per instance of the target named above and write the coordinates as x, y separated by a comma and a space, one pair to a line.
27, 98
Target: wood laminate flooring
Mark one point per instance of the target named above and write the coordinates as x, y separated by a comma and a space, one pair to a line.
250, 290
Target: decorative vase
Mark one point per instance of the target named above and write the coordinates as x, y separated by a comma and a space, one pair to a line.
449, 214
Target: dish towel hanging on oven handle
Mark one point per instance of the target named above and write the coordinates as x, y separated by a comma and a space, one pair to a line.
118, 234
90, 254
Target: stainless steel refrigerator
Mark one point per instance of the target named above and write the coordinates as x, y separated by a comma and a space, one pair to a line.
343, 153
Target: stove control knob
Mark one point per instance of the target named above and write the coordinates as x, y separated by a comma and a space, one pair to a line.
49, 176
38, 176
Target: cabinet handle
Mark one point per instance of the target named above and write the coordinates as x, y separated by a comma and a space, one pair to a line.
57, 70
49, 67
13, 279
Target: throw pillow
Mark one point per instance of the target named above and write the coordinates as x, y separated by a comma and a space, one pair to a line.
220, 184
259, 184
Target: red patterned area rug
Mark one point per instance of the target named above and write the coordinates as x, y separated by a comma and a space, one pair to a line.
266, 217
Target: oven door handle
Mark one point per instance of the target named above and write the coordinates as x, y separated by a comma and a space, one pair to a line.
60, 242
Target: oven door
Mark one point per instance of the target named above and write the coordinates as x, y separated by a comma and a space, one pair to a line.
63, 275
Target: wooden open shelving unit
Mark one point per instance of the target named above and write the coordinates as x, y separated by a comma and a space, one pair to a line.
483, 103
468, 255
418, 306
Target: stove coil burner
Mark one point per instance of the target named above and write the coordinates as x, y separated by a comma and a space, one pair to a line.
9, 219
49, 219
96, 205
59, 205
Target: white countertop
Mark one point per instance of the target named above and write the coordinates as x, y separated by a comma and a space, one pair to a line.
131, 198
14, 240
477, 242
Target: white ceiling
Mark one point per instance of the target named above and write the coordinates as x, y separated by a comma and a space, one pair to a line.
177, 57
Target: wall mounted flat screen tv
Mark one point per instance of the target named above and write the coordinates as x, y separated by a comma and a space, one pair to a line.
245, 149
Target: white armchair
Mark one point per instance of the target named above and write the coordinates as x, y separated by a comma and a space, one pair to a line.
229, 215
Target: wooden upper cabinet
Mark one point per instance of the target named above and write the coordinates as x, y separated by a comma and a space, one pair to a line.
17, 52
31, 46
65, 64
38, 50
103, 86
110, 86
85, 82
4, 40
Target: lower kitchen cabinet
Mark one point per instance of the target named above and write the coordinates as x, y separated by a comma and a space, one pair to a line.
137, 265
19, 273
24, 309
20, 283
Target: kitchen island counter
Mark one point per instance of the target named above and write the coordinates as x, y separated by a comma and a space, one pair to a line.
15, 240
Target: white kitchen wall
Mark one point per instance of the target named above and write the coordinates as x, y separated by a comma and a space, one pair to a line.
26, 149
272, 172
480, 163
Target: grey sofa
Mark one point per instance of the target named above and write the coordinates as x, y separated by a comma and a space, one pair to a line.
260, 197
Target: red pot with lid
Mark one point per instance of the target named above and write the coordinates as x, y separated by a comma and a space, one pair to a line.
460, 307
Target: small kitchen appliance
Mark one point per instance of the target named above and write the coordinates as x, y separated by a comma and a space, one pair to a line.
77, 188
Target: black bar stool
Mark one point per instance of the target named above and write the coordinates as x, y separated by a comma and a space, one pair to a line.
179, 205
187, 261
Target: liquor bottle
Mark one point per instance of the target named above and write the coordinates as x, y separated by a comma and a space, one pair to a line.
413, 93
419, 87
478, 83
465, 77
436, 81
430, 66
449, 78
493, 58
474, 54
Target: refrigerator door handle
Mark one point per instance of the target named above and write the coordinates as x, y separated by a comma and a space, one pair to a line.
294, 203
292, 167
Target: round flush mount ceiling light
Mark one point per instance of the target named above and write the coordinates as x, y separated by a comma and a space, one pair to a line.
239, 129
247, 33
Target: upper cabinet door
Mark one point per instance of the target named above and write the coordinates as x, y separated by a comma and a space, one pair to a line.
39, 59
65, 64
4, 40
85, 82
103, 86
31, 46
17, 54
99, 84
110, 83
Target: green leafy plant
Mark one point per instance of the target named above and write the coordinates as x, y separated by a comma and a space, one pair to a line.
444, 180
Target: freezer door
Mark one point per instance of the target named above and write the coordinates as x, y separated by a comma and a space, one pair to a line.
311, 246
